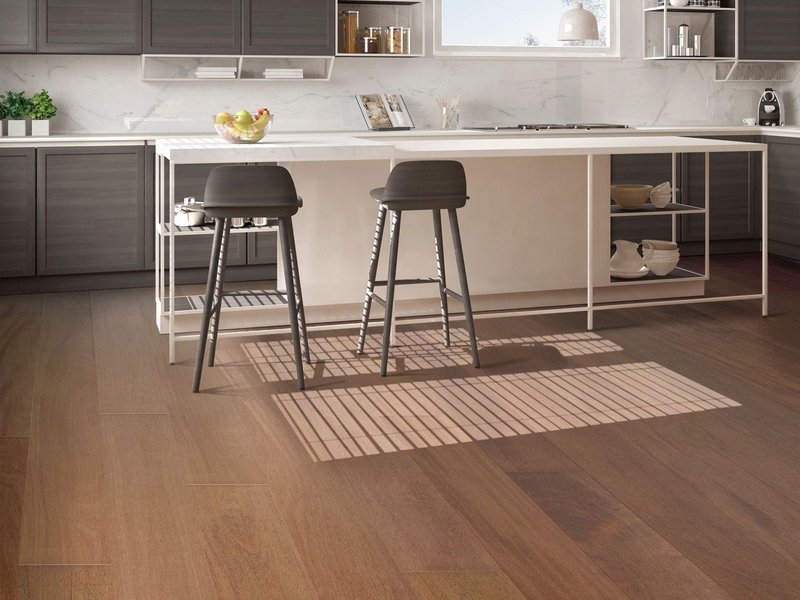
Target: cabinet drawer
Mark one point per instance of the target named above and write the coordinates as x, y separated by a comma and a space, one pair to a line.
18, 225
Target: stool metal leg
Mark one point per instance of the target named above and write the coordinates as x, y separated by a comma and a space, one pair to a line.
212, 278
373, 271
440, 272
301, 311
462, 276
218, 289
387, 319
284, 229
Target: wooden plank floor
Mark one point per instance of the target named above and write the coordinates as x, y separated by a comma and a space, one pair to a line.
117, 482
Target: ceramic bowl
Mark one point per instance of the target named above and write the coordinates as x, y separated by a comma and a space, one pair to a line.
661, 195
630, 195
662, 267
659, 245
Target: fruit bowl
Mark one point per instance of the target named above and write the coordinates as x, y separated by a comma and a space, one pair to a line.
630, 195
243, 127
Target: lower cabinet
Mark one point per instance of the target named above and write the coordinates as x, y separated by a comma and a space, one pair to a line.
18, 225
784, 197
90, 210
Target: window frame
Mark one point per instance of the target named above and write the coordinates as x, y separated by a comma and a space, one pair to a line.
530, 52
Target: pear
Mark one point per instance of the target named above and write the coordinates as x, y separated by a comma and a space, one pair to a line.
243, 117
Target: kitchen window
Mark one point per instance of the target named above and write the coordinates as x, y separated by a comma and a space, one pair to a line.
521, 28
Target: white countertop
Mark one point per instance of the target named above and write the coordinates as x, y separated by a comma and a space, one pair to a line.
105, 139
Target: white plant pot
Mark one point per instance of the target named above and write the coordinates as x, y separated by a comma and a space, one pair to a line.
40, 127
16, 127
1, 127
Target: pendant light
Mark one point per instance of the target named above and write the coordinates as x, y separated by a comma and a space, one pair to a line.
577, 24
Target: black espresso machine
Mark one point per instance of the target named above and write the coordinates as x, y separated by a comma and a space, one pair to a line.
770, 108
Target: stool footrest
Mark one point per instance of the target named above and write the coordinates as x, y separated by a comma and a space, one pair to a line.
410, 281
377, 299
453, 294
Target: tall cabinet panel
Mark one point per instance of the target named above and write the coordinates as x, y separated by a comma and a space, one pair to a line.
18, 26
784, 197
297, 28
769, 29
90, 26
18, 225
90, 210
192, 27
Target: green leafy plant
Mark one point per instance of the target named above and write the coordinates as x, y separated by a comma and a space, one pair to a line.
3, 109
16, 105
41, 106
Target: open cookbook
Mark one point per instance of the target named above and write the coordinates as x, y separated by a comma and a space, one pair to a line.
384, 111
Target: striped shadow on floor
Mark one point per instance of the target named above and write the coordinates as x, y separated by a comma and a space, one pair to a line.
351, 422
334, 357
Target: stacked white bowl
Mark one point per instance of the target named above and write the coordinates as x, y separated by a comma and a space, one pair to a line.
660, 256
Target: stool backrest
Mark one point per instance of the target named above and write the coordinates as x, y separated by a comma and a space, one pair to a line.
254, 185
426, 180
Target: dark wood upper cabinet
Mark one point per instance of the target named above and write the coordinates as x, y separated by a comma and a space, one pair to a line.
289, 27
90, 27
192, 27
90, 210
18, 225
769, 29
18, 26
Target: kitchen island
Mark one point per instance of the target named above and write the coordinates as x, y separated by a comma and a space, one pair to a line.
536, 230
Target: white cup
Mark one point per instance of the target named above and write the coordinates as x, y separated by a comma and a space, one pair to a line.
769, 108
749, 121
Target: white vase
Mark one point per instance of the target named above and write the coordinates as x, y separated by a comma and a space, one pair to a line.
16, 127
1, 127
40, 127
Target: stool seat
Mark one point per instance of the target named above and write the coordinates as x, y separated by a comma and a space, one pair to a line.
431, 203
250, 191
234, 191
433, 185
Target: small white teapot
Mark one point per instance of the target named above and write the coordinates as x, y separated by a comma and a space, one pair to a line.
627, 258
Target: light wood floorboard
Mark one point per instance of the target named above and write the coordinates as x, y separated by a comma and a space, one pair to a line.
65, 516
464, 585
19, 328
65, 583
13, 461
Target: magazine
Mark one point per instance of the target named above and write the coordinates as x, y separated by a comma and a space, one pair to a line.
384, 111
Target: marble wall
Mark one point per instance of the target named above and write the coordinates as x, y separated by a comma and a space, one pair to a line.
98, 93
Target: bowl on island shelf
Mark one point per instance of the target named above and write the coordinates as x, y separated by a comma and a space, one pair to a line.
243, 127
630, 196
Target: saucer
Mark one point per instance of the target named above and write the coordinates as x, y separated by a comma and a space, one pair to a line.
630, 275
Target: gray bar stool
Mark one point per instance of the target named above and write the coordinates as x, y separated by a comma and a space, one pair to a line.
433, 185
246, 192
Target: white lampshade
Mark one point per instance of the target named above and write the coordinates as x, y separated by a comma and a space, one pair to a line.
577, 24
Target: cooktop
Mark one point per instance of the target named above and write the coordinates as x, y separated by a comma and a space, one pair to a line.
543, 126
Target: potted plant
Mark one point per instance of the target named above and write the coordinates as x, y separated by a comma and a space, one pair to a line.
3, 113
17, 107
41, 111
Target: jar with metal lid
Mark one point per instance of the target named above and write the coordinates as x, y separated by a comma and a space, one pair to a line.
394, 40
377, 33
350, 31
369, 45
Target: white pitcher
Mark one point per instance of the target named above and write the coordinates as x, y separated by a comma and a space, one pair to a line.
627, 258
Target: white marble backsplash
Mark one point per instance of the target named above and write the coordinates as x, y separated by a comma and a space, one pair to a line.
97, 94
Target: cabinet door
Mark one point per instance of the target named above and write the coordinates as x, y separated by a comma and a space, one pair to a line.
650, 169
90, 26
733, 210
192, 27
18, 26
784, 198
18, 225
769, 29
90, 210
289, 27
262, 248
